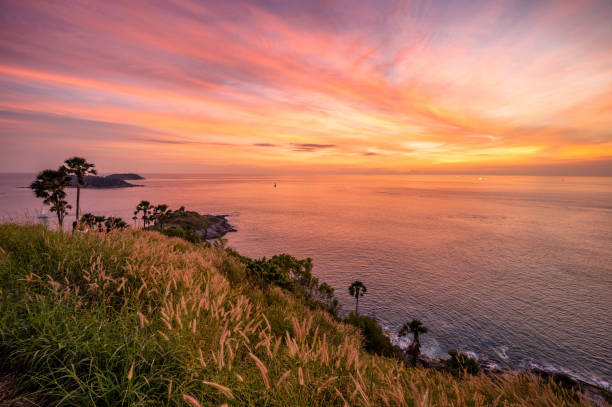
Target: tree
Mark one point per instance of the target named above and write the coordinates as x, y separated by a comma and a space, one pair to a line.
88, 221
100, 222
49, 185
357, 289
415, 327
113, 223
144, 207
160, 214
79, 167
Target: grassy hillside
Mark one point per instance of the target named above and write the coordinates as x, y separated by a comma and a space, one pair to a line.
137, 318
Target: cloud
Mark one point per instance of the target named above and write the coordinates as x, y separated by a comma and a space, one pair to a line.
163, 141
265, 145
425, 82
74, 127
309, 148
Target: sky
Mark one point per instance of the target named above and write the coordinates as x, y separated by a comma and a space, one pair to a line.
185, 86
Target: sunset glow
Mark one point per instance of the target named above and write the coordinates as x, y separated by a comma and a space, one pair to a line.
197, 86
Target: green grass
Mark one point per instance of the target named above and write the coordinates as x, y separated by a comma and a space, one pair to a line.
137, 318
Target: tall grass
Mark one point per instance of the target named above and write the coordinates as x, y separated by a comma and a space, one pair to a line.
136, 318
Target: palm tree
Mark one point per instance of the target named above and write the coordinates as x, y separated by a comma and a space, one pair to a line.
79, 167
357, 289
144, 207
415, 327
113, 223
49, 185
160, 214
88, 220
100, 222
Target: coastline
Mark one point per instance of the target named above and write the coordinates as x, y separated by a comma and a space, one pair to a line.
597, 393
593, 390
217, 228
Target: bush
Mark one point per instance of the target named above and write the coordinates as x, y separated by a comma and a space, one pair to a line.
460, 363
233, 269
188, 235
292, 274
174, 231
375, 339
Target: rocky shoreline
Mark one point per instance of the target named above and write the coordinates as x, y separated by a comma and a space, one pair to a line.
218, 226
598, 395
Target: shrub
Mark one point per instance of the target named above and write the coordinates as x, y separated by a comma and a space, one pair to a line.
460, 363
292, 274
375, 339
174, 231
188, 235
234, 270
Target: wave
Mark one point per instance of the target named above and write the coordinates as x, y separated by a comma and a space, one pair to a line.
432, 349
502, 352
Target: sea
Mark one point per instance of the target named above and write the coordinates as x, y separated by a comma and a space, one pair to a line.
514, 270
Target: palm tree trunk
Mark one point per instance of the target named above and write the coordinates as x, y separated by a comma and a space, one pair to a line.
357, 305
60, 219
78, 201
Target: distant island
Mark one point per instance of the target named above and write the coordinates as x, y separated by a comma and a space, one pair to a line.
110, 181
130, 176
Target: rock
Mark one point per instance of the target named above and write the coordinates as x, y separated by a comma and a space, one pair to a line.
428, 362
595, 394
218, 227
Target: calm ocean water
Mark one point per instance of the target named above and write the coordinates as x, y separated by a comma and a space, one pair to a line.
514, 269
